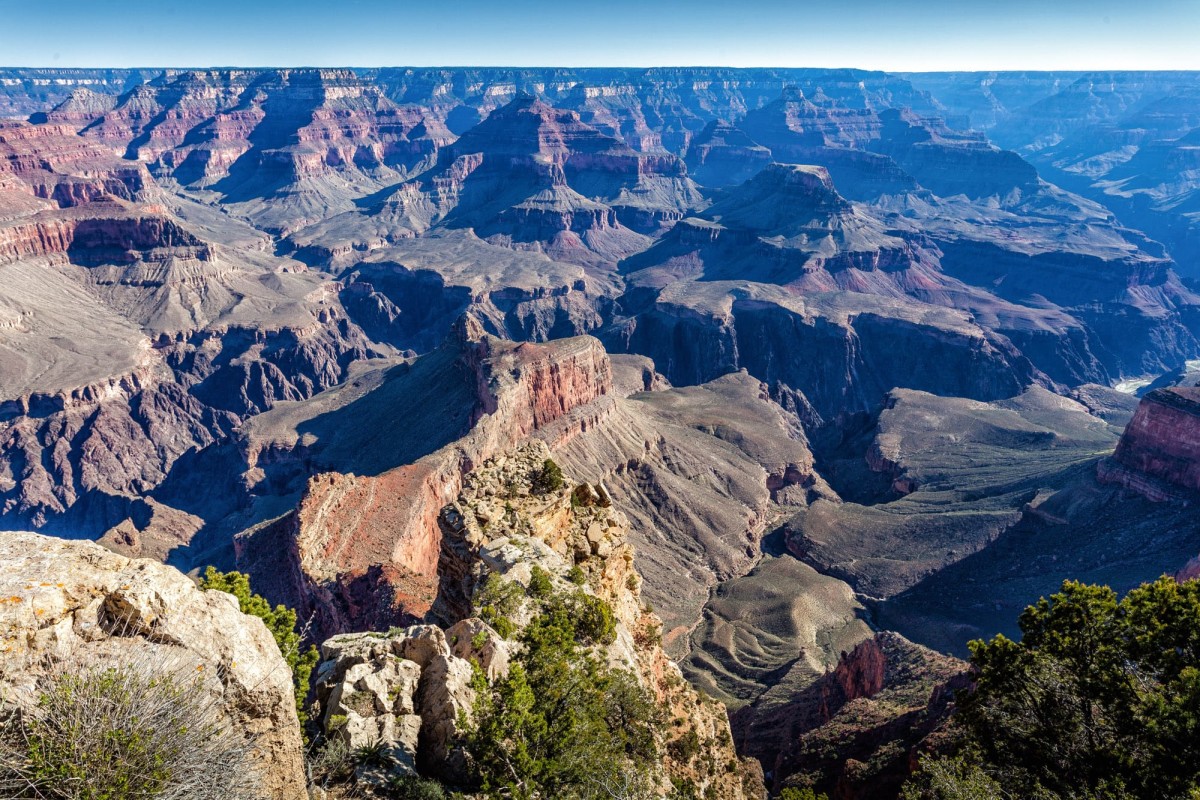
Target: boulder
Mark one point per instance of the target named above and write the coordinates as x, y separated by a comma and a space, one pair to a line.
75, 600
402, 692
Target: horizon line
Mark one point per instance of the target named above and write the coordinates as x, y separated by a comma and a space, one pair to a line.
220, 67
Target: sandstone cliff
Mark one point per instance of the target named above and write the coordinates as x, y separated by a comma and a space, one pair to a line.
77, 601
1159, 453
412, 686
360, 550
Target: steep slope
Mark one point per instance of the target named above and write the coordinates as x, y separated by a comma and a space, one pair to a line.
702, 472
1159, 452
190, 329
572, 528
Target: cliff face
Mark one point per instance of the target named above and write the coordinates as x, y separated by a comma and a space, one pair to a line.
498, 526
855, 732
362, 549
201, 127
1159, 453
698, 330
76, 602
723, 155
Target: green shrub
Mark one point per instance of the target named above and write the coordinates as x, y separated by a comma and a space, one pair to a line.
942, 778
682, 789
496, 601
594, 619
540, 583
576, 576
562, 723
280, 621
685, 748
124, 730
793, 793
1099, 699
409, 787
547, 480
332, 761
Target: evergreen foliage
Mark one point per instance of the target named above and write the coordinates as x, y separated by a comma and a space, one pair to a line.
548, 479
793, 793
563, 723
540, 583
1099, 699
280, 621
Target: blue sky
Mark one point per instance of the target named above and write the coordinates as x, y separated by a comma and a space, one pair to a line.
876, 34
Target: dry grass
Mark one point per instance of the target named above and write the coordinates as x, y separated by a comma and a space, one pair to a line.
124, 730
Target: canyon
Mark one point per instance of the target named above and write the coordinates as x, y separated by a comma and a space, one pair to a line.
857, 364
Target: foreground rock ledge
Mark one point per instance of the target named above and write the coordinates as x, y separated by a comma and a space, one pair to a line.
61, 599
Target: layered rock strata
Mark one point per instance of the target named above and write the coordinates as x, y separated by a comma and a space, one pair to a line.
1159, 453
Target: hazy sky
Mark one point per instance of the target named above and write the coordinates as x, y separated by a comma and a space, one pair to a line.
918, 35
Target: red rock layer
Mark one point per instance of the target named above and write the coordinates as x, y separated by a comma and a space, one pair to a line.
196, 125
1160, 449
362, 551
50, 162
109, 233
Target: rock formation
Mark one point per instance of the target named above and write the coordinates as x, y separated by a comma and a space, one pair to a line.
78, 601
856, 731
1159, 453
360, 550
410, 686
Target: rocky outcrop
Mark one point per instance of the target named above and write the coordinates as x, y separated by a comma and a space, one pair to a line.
407, 690
361, 549
500, 526
198, 125
55, 164
75, 601
1158, 456
788, 225
723, 155
410, 690
855, 732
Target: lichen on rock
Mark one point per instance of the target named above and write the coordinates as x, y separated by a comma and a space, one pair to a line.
75, 602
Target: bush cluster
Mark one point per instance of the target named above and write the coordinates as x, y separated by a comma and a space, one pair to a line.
563, 723
133, 728
1099, 699
548, 479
